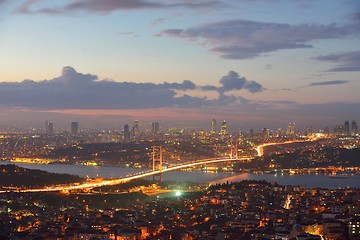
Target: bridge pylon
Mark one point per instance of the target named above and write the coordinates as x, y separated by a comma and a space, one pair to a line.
157, 158
234, 150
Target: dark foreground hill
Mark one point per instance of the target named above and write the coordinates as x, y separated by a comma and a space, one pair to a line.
14, 176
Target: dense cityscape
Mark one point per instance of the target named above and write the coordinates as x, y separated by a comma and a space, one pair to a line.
148, 208
179, 120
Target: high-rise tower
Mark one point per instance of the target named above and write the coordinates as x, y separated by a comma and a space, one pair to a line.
136, 129
49, 127
346, 128
354, 128
213, 126
223, 127
126, 132
155, 128
291, 130
74, 128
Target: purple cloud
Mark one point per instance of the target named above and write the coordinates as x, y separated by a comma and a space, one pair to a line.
185, 85
108, 6
241, 39
347, 61
74, 90
233, 81
86, 91
334, 82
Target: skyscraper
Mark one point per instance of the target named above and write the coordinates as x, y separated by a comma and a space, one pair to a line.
223, 127
74, 128
136, 129
339, 129
49, 127
346, 128
290, 131
354, 128
265, 132
126, 132
213, 126
155, 128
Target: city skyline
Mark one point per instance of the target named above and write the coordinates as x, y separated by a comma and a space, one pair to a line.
109, 62
214, 127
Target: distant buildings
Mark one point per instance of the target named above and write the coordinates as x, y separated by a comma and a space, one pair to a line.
354, 128
155, 127
49, 126
265, 132
346, 128
74, 128
126, 131
223, 128
136, 129
291, 129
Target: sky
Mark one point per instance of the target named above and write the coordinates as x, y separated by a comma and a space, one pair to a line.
255, 64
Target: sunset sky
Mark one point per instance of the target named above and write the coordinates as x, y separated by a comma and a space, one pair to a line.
260, 63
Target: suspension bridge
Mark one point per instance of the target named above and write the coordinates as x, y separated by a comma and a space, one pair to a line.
157, 169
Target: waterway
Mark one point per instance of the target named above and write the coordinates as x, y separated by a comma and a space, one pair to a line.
307, 180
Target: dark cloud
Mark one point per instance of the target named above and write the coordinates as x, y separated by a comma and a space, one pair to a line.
73, 90
233, 81
108, 6
356, 16
85, 91
334, 82
325, 83
241, 39
346, 62
185, 85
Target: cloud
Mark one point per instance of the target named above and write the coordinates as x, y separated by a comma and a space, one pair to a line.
158, 21
233, 81
185, 85
108, 6
347, 61
334, 82
131, 34
74, 90
325, 83
86, 91
242, 39
85, 97
356, 16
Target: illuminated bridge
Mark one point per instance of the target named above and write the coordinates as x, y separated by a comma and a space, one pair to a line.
157, 158
101, 183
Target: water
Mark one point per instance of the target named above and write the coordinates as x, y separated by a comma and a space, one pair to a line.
307, 180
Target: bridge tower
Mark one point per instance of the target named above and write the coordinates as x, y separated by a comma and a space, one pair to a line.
234, 149
157, 158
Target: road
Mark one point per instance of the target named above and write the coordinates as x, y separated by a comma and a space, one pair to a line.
260, 148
